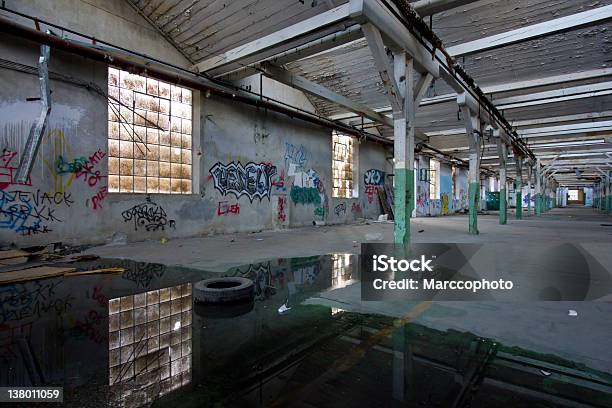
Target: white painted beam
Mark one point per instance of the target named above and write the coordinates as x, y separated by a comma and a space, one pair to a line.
555, 100
563, 94
397, 35
566, 118
574, 128
290, 37
551, 80
318, 90
515, 86
586, 18
385, 70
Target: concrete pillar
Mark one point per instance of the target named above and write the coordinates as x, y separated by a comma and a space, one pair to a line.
609, 193
519, 186
403, 134
473, 129
502, 152
538, 189
529, 174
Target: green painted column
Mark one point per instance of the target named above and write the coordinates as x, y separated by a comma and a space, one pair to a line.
474, 194
519, 188
404, 195
538, 204
502, 152
403, 149
473, 127
503, 206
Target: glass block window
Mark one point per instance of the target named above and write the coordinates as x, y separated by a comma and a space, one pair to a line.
150, 343
342, 165
149, 135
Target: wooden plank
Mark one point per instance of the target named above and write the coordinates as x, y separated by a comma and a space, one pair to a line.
95, 271
41, 272
13, 253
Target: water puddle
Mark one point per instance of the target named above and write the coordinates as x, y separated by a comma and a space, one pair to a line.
137, 339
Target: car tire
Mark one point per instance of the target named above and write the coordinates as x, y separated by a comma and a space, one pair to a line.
224, 290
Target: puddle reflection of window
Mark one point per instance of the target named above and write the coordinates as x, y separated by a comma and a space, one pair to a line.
150, 343
336, 310
341, 270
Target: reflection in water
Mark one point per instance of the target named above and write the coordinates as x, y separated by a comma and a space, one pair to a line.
149, 344
326, 351
342, 270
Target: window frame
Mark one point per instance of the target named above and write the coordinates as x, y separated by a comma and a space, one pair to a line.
195, 151
353, 190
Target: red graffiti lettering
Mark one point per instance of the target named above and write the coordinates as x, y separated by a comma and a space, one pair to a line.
371, 191
96, 200
282, 202
225, 208
7, 170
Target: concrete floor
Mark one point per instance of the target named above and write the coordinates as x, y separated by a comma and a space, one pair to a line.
219, 252
543, 327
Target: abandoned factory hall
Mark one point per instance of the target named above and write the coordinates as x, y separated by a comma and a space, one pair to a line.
306, 203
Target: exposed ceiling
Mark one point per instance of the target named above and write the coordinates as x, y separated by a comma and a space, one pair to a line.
202, 29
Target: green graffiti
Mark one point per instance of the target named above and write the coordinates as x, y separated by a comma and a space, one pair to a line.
319, 211
305, 195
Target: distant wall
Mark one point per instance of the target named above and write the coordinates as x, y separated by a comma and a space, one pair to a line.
453, 190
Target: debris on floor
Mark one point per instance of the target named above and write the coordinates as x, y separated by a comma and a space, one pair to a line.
283, 309
572, 312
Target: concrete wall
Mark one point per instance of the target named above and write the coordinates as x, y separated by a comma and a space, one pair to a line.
113, 21
77, 208
452, 199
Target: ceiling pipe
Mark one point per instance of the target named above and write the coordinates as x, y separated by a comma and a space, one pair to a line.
183, 78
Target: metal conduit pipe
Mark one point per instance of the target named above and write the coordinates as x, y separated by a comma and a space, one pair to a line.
148, 67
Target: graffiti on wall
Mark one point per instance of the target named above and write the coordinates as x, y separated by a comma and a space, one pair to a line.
305, 195
282, 204
297, 155
32, 300
31, 212
83, 168
96, 199
8, 167
279, 183
356, 209
142, 273
148, 215
445, 200
340, 209
225, 208
253, 180
446, 191
373, 179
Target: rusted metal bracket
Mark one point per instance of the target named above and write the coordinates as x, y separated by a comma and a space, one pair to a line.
38, 128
